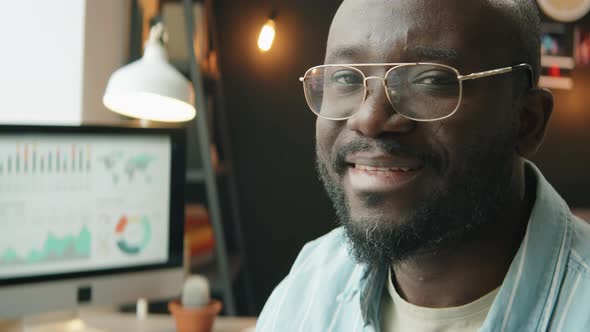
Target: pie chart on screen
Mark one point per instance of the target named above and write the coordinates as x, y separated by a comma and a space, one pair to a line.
565, 10
133, 234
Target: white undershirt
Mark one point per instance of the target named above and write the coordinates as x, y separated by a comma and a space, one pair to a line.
399, 315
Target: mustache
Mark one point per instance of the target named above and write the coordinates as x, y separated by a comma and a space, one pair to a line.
389, 146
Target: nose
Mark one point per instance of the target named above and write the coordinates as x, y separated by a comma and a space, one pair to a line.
376, 115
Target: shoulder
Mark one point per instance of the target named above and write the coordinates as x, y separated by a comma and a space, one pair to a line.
321, 251
580, 250
571, 312
321, 258
322, 273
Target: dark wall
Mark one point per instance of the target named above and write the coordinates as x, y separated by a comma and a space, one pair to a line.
272, 130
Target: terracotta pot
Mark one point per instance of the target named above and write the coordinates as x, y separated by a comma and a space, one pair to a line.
194, 319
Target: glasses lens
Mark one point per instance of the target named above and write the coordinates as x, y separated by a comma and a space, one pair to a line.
334, 92
423, 91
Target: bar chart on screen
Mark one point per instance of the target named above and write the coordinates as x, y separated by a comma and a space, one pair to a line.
23, 165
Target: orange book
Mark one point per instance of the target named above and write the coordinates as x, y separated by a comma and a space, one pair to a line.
198, 231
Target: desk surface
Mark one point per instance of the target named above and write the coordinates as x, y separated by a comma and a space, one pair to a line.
115, 322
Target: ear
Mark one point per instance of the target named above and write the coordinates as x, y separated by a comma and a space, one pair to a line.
534, 116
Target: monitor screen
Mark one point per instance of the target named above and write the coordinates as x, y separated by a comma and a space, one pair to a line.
84, 201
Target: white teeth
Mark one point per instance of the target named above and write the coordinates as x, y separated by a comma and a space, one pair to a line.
369, 168
382, 169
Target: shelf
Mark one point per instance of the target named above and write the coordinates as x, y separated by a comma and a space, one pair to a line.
197, 175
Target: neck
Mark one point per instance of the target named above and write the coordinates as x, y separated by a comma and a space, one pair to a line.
461, 273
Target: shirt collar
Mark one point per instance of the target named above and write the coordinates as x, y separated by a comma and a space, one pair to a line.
371, 289
529, 291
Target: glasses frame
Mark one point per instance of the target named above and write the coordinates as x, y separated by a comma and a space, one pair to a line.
395, 65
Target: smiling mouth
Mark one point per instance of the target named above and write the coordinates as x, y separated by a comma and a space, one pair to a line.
365, 178
382, 169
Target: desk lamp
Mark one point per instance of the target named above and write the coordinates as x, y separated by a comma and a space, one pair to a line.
150, 88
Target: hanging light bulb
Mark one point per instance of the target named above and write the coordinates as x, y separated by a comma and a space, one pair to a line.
267, 34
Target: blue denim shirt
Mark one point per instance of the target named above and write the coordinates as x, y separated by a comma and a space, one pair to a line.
547, 287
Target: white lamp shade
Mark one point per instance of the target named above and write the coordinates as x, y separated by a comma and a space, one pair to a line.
150, 88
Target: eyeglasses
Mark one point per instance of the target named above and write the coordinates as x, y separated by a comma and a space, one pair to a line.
417, 91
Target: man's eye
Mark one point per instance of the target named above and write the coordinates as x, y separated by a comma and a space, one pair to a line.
347, 77
435, 79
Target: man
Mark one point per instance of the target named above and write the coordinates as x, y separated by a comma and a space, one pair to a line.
427, 111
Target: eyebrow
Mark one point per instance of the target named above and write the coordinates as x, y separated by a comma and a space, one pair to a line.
435, 53
419, 53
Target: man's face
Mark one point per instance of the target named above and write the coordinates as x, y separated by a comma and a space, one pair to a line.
400, 186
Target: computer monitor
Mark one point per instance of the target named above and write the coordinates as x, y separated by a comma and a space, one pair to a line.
89, 216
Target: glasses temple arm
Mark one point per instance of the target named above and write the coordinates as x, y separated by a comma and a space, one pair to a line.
529, 68
498, 72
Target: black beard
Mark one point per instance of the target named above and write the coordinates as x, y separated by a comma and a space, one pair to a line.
471, 199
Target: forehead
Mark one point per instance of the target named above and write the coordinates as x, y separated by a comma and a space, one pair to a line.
465, 34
